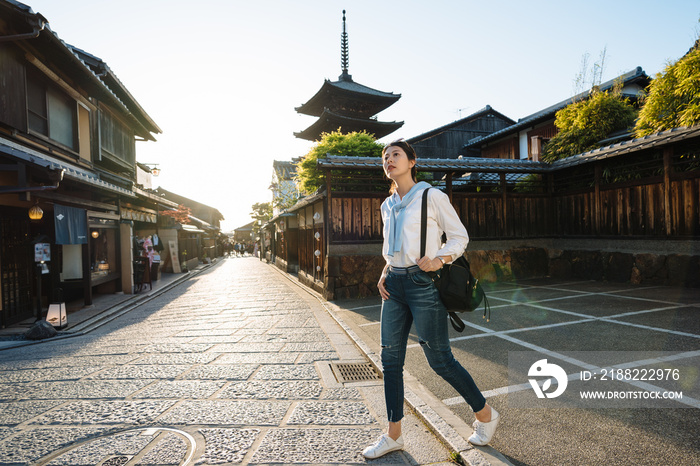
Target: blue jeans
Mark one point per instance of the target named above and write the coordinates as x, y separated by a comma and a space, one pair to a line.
415, 299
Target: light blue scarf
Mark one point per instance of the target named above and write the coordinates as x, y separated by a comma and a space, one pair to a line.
396, 215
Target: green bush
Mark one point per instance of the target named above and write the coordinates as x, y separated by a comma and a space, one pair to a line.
584, 123
673, 98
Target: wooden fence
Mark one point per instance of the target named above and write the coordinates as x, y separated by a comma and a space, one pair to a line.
640, 195
355, 218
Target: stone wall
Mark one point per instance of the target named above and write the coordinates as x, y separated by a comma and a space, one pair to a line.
622, 267
353, 276
312, 283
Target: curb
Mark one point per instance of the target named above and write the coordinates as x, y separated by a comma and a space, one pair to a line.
110, 313
447, 426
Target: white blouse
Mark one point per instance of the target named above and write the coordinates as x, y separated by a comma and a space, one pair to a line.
442, 217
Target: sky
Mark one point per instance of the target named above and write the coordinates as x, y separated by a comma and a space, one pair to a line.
221, 78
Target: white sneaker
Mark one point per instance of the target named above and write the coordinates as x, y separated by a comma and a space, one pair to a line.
384, 445
483, 431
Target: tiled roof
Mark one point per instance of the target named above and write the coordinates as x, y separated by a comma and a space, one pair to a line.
352, 86
477, 164
71, 171
330, 121
107, 74
465, 164
333, 92
646, 142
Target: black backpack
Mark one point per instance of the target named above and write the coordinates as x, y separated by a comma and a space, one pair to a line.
459, 290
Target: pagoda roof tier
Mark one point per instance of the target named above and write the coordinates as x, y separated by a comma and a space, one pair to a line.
330, 121
347, 97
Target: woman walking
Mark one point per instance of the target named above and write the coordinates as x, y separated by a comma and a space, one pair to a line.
409, 295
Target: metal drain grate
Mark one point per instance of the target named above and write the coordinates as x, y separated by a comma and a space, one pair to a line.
354, 372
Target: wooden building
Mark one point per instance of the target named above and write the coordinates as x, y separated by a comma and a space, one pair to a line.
284, 188
244, 234
525, 139
200, 237
347, 105
71, 200
448, 141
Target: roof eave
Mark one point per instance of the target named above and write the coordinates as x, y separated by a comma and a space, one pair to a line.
485, 110
330, 121
315, 105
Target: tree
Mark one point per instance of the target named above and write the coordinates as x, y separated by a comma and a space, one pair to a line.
262, 212
181, 215
590, 76
355, 144
673, 98
584, 123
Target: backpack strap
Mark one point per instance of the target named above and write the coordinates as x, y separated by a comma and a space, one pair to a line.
454, 318
423, 221
456, 322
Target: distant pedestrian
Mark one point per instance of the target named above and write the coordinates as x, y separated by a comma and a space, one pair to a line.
410, 296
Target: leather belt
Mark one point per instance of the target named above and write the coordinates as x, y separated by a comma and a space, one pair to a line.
404, 270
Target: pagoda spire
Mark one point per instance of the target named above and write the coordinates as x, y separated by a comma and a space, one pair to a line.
344, 54
346, 105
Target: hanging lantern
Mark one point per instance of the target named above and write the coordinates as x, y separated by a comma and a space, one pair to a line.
35, 212
95, 234
317, 235
317, 253
318, 268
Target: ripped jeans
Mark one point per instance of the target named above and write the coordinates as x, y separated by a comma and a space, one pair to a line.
414, 298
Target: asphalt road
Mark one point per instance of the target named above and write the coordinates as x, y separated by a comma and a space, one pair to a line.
578, 325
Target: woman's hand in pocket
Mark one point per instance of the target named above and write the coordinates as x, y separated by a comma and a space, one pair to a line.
382, 288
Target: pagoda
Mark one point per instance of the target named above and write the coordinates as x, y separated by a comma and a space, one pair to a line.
347, 105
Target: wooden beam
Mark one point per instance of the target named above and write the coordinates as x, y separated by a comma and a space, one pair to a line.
87, 275
668, 168
327, 224
78, 201
449, 186
504, 206
596, 198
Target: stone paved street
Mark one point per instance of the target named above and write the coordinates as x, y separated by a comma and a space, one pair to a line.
231, 367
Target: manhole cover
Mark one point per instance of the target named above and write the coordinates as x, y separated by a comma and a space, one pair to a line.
116, 461
354, 372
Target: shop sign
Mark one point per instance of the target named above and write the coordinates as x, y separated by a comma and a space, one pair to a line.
137, 216
70, 225
42, 252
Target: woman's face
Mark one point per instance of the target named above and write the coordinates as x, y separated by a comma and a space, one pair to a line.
397, 163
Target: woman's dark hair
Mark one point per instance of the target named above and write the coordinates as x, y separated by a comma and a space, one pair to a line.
410, 153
